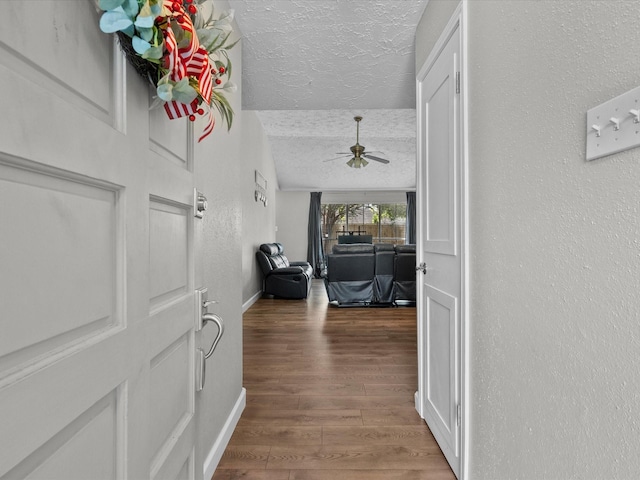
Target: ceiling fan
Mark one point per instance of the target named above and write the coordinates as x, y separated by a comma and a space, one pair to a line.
357, 150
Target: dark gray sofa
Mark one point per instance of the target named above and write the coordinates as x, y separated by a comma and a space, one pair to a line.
371, 275
283, 278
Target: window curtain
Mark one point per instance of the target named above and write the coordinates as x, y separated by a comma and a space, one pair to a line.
315, 255
410, 231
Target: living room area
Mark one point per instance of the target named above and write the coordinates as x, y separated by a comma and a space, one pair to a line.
367, 217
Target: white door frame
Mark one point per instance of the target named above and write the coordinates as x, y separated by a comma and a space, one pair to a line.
457, 20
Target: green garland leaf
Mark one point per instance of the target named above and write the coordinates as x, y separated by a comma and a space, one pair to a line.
131, 8
109, 4
139, 45
114, 21
183, 92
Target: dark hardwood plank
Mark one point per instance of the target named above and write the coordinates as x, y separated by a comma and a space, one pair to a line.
276, 435
350, 457
394, 389
305, 389
374, 378
310, 402
245, 456
415, 435
432, 473
245, 474
278, 402
267, 416
394, 416
311, 366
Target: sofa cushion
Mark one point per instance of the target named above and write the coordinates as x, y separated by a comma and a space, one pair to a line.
349, 248
406, 248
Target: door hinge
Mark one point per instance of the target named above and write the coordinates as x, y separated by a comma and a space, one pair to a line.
458, 415
457, 82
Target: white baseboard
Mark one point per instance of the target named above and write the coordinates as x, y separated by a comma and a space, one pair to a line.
251, 301
416, 401
215, 454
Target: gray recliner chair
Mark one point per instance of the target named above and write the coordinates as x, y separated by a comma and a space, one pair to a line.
283, 278
350, 273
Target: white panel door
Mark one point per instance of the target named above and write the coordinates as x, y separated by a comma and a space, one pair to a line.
439, 249
96, 258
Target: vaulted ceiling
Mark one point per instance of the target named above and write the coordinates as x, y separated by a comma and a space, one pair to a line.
310, 66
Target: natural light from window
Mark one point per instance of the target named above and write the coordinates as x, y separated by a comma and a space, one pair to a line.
384, 222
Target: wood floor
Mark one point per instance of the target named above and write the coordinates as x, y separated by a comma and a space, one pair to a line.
330, 396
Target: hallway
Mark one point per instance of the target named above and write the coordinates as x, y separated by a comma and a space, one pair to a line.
330, 395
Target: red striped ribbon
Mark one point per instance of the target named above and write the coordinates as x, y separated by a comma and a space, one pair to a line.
191, 60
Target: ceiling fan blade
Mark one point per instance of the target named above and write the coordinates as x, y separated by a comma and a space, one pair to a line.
377, 159
344, 153
336, 158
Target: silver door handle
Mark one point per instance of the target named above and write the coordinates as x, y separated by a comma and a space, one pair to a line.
422, 268
212, 317
201, 356
201, 369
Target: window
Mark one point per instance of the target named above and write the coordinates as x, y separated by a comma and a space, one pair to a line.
385, 222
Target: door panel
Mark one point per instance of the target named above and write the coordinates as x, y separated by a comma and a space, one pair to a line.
96, 260
52, 55
94, 435
171, 140
440, 201
441, 314
79, 240
168, 232
439, 248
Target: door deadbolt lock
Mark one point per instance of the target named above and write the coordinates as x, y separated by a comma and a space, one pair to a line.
199, 204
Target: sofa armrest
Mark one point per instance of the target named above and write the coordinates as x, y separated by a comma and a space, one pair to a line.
298, 264
287, 271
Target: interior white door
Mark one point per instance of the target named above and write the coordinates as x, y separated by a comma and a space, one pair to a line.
96, 259
439, 289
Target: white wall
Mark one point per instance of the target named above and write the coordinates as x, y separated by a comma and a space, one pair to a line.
258, 221
292, 219
233, 224
554, 242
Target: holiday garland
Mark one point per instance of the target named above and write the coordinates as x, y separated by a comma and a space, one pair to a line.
184, 56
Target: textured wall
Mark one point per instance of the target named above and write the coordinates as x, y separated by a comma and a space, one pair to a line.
225, 164
554, 243
258, 221
292, 220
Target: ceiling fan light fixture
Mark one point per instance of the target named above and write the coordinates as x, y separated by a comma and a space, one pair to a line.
358, 151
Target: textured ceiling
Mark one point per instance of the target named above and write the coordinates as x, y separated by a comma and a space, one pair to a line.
310, 66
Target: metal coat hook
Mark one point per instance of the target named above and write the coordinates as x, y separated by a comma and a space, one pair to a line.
615, 122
